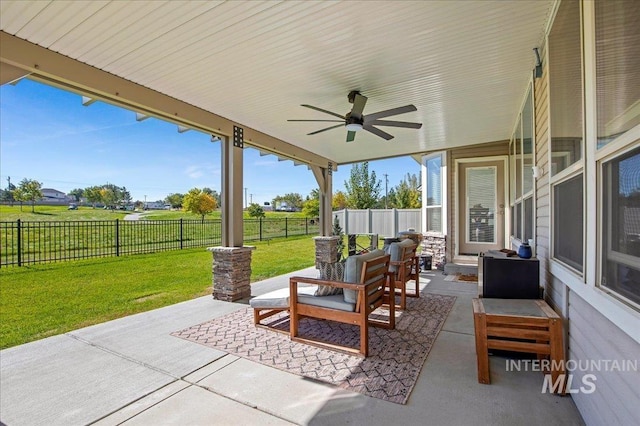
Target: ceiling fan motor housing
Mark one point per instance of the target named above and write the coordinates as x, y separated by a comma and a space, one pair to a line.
353, 120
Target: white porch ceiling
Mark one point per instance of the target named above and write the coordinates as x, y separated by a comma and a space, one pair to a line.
464, 64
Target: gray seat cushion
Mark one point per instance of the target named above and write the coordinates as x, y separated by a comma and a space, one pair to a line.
279, 299
335, 301
353, 269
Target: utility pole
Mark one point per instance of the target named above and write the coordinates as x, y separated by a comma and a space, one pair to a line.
145, 203
386, 189
250, 198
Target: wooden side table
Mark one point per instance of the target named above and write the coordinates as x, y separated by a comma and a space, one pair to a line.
537, 328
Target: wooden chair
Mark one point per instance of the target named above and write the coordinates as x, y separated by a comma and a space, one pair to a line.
360, 300
405, 267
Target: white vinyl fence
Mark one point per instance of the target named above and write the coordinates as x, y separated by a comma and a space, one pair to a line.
385, 223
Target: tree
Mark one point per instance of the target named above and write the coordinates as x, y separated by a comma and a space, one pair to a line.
76, 193
198, 202
339, 201
213, 193
255, 210
293, 200
337, 231
387, 201
93, 195
311, 206
109, 197
407, 195
29, 190
175, 200
124, 196
7, 194
363, 190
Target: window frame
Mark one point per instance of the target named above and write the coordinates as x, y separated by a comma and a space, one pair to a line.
612, 151
574, 169
443, 192
518, 198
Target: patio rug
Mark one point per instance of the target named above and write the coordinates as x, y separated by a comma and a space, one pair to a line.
389, 373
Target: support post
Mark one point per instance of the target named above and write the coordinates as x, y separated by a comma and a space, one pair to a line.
232, 261
324, 177
232, 228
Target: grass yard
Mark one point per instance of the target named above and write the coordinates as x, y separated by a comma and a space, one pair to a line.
57, 213
45, 300
61, 213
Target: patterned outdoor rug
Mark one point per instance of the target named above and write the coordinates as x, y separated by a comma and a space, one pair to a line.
389, 373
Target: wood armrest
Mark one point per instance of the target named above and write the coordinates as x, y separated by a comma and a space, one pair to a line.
317, 281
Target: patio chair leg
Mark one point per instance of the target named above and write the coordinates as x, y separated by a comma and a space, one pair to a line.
364, 339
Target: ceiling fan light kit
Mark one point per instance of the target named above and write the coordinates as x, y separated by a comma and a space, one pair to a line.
355, 120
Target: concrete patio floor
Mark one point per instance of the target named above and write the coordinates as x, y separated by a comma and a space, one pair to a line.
132, 371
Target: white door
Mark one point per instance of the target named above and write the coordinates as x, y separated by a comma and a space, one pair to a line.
481, 207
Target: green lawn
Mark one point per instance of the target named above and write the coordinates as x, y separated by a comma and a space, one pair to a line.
45, 300
61, 213
57, 213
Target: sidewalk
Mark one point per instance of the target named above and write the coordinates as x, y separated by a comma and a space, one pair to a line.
131, 370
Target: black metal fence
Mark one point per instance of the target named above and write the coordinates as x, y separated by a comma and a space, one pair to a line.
25, 242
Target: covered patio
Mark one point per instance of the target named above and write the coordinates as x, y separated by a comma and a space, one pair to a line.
544, 132
132, 371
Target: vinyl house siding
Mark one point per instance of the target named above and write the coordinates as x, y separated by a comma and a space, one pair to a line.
590, 335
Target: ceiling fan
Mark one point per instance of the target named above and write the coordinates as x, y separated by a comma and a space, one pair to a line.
354, 120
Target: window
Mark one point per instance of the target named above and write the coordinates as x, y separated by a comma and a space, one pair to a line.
522, 160
617, 65
434, 193
617, 72
621, 225
567, 136
481, 204
568, 222
565, 87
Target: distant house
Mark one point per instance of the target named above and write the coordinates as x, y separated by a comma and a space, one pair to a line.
50, 194
155, 205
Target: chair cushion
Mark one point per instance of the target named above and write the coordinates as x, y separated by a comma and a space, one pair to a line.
335, 301
353, 269
331, 272
279, 299
395, 250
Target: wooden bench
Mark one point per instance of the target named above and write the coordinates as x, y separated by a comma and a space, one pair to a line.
519, 325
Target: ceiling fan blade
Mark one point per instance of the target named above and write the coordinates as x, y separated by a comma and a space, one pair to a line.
324, 130
395, 124
323, 110
351, 136
329, 121
377, 132
359, 102
394, 111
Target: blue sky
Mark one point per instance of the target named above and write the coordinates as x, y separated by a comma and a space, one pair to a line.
47, 134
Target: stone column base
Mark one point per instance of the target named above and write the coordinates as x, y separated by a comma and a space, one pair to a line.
326, 249
231, 272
